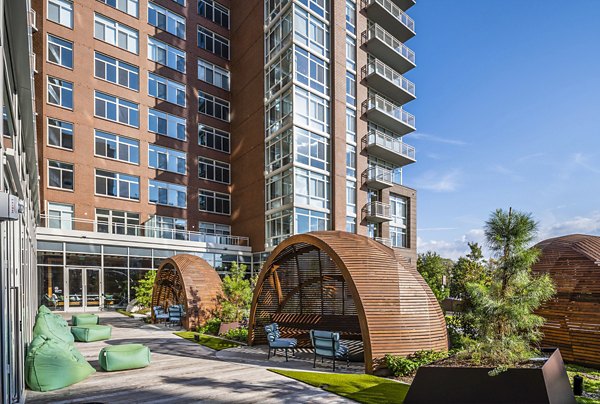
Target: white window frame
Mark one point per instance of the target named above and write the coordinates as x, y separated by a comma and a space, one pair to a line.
61, 50
171, 90
311, 110
217, 9
214, 41
218, 137
212, 74
174, 23
217, 104
62, 131
130, 7
172, 157
311, 189
316, 144
211, 168
119, 103
59, 87
65, 12
113, 31
173, 191
218, 197
214, 229
172, 122
120, 68
174, 57
311, 32
61, 171
122, 144
119, 178
61, 212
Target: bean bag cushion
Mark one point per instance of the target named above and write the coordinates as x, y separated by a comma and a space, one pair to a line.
85, 319
52, 326
123, 357
52, 364
89, 333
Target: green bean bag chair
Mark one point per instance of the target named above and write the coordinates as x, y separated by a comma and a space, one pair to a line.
124, 357
52, 326
52, 364
85, 319
90, 333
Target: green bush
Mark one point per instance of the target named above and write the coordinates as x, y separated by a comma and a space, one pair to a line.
401, 366
237, 334
210, 327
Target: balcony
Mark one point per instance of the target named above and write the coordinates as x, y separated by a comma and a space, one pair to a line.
391, 17
62, 225
377, 177
389, 115
388, 148
377, 212
388, 49
385, 80
404, 4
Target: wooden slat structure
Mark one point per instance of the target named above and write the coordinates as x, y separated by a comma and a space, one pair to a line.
189, 280
351, 284
573, 315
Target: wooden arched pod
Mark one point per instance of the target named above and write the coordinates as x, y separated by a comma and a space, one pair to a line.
573, 314
191, 281
351, 284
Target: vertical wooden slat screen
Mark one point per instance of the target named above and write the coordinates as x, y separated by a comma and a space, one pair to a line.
573, 315
350, 284
189, 280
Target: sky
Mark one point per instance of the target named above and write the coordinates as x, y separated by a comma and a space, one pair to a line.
507, 115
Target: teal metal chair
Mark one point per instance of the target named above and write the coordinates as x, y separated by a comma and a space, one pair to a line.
327, 345
276, 342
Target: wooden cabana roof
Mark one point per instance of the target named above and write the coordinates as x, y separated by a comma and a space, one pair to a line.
352, 284
573, 315
188, 280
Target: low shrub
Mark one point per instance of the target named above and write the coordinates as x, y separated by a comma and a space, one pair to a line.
210, 327
237, 334
407, 366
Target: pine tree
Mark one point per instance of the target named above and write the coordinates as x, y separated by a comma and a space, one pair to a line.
503, 311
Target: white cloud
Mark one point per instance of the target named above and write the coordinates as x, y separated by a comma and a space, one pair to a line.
589, 224
583, 161
433, 181
437, 139
452, 249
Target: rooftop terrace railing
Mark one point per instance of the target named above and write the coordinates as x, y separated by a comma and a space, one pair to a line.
144, 230
394, 10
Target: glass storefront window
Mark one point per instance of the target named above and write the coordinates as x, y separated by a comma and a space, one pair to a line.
135, 275
86, 260
52, 294
115, 288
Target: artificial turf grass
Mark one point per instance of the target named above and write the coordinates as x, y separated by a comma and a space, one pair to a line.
591, 383
365, 389
208, 341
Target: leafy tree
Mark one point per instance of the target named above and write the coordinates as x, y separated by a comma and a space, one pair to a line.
236, 299
143, 290
503, 310
435, 270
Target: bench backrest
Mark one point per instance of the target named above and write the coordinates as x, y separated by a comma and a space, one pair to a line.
272, 332
326, 343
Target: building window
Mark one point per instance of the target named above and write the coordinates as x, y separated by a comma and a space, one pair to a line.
117, 222
60, 51
60, 175
213, 170
166, 159
127, 6
60, 92
180, 2
311, 110
116, 147
279, 226
61, 12
351, 89
214, 202
398, 237
165, 89
117, 185
116, 109
311, 31
215, 12
213, 74
213, 106
214, 228
399, 223
310, 220
214, 138
60, 216
351, 16
350, 125
166, 20
351, 161
351, 197
279, 190
60, 134
311, 189
115, 33
166, 55
279, 112
212, 42
279, 36
350, 224
164, 193
312, 71
350, 53
279, 73
167, 227
312, 149
116, 71
166, 124
279, 150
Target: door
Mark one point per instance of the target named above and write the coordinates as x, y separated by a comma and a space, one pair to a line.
84, 289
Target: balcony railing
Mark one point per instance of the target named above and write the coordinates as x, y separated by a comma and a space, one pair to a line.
391, 110
397, 16
124, 229
377, 212
378, 177
375, 138
376, 32
380, 68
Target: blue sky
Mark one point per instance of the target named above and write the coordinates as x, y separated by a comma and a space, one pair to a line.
508, 114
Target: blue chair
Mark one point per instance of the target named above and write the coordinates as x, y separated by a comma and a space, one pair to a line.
159, 314
276, 342
327, 345
175, 315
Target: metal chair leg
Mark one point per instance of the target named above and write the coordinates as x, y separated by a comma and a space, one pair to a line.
269, 354
334, 363
315, 361
286, 355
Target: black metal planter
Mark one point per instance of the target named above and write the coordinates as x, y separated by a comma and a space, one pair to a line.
548, 384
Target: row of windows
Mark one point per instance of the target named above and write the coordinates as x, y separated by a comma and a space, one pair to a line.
60, 133
311, 149
61, 12
124, 186
166, 20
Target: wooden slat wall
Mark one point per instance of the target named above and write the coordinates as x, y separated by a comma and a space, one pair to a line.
573, 315
336, 280
189, 280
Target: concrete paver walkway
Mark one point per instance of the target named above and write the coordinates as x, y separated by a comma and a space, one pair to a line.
182, 372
